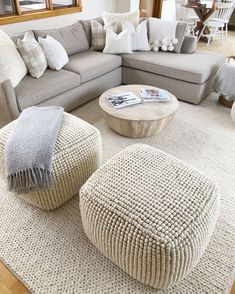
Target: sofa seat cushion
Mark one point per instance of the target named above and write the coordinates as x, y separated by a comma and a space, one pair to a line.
33, 91
90, 64
194, 68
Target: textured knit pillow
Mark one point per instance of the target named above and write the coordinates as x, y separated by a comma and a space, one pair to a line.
99, 34
55, 53
33, 55
117, 43
139, 36
131, 17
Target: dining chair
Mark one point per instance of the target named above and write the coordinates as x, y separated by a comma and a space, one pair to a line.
187, 15
218, 22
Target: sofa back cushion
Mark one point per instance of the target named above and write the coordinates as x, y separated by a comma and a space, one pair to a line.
189, 45
180, 35
87, 27
20, 36
72, 38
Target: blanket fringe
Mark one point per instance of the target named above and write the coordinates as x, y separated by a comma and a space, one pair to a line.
32, 178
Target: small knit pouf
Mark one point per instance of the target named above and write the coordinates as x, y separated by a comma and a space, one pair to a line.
149, 213
77, 154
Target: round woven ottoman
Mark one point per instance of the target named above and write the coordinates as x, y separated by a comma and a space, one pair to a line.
77, 154
149, 213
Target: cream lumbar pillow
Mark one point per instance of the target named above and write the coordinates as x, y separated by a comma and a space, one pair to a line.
98, 33
55, 53
12, 66
139, 36
131, 17
32, 55
117, 43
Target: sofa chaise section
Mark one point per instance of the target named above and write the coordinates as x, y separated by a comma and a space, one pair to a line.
188, 76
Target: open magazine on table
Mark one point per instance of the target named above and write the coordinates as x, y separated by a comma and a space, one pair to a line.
123, 100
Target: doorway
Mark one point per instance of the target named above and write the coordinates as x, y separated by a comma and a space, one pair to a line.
151, 8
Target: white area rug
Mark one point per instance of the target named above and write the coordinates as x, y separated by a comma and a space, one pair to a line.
49, 252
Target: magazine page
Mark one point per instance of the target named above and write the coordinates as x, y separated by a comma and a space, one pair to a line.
154, 95
123, 100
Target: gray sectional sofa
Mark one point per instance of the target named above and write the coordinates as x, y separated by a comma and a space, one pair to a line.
89, 73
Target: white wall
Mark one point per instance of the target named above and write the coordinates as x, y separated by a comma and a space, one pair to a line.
168, 10
91, 9
127, 5
123, 6
135, 5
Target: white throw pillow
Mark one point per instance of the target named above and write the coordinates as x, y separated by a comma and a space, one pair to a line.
117, 43
162, 34
98, 33
139, 36
55, 53
12, 66
131, 17
32, 55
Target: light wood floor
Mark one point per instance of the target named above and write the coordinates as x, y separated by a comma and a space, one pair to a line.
9, 284
227, 48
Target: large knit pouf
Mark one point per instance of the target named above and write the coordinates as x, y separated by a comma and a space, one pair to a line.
149, 213
77, 154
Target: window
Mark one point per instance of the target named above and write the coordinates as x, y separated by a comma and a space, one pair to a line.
12, 11
7, 7
62, 3
31, 5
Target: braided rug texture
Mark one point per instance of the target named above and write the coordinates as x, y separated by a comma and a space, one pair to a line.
77, 154
150, 213
50, 253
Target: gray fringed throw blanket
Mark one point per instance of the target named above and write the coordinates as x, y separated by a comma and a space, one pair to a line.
225, 81
29, 148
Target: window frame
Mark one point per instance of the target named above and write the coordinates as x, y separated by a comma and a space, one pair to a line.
49, 11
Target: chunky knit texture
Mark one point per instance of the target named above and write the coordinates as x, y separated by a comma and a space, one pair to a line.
150, 213
77, 154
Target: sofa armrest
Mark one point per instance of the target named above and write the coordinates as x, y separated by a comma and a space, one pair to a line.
8, 104
189, 45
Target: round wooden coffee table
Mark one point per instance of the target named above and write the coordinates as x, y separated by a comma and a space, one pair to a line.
140, 120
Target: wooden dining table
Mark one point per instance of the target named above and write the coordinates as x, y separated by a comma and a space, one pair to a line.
203, 14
